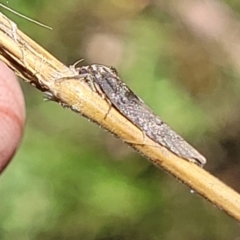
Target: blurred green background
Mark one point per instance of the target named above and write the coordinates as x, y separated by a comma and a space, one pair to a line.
71, 179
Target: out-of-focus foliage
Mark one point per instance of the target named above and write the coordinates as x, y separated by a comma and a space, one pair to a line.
72, 180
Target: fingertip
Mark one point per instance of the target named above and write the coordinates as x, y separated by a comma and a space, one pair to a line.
12, 115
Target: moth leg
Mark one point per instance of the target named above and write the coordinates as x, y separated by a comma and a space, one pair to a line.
85, 76
96, 88
143, 141
110, 106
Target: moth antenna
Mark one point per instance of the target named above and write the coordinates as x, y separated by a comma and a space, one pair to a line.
27, 18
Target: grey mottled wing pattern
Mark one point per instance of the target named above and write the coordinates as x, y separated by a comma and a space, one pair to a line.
133, 108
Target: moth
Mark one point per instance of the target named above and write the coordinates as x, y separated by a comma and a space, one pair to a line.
105, 81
